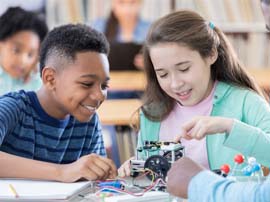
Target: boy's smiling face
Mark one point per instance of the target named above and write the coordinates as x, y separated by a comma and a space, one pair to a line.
78, 88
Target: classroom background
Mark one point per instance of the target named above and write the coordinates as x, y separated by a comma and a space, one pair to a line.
241, 20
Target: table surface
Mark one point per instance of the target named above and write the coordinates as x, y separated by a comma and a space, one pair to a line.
118, 112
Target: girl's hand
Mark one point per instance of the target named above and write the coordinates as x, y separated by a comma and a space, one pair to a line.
124, 170
200, 126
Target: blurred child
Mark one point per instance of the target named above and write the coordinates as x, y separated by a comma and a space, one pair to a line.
198, 91
55, 133
124, 25
20, 36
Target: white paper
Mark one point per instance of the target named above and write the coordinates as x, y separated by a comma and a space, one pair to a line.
33, 189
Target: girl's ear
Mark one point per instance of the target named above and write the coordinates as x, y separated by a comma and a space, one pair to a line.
213, 56
48, 77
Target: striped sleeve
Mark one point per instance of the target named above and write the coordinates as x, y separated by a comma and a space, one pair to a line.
9, 115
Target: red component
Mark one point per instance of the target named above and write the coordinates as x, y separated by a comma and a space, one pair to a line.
225, 168
239, 158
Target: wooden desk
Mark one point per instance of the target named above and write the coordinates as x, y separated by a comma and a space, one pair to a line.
127, 80
118, 112
262, 76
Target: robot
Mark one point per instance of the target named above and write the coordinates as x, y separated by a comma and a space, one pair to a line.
157, 165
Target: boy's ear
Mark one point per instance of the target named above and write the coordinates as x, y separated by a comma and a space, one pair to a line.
48, 77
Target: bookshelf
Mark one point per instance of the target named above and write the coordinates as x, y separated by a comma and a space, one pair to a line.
241, 20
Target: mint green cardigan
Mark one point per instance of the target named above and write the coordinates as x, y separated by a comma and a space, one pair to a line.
250, 134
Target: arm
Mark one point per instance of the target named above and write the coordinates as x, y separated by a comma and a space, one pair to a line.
90, 167
251, 126
186, 178
253, 130
207, 186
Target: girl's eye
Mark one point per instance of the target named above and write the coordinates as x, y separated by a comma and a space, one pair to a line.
184, 70
163, 75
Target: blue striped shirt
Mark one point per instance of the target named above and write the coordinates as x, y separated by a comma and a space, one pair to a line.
26, 130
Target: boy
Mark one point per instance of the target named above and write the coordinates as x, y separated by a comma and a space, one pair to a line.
21, 34
54, 133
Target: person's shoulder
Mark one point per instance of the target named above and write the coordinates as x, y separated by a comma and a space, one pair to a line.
144, 23
232, 88
99, 24
16, 96
224, 88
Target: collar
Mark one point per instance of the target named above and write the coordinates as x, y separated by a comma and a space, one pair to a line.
221, 90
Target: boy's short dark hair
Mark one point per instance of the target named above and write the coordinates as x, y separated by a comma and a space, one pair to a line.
16, 19
65, 41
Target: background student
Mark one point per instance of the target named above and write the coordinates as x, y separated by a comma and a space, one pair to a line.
188, 179
197, 89
21, 34
124, 25
55, 133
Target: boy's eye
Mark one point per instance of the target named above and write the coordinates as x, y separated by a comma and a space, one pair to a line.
16, 50
87, 84
104, 86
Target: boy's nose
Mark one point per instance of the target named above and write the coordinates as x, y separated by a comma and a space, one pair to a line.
98, 95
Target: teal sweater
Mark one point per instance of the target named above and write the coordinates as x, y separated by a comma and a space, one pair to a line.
250, 134
10, 84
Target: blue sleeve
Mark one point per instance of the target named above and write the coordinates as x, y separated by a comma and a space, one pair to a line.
9, 115
209, 187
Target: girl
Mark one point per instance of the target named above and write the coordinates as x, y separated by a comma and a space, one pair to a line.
20, 36
198, 91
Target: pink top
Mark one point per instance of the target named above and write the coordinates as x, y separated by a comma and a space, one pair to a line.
171, 127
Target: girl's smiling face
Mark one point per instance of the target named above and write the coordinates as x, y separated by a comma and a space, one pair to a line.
182, 73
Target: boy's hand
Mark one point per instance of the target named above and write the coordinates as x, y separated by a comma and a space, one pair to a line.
124, 170
90, 167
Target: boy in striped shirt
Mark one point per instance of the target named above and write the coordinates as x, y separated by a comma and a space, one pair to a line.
55, 133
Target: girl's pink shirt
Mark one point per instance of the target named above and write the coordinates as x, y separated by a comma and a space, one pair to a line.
171, 127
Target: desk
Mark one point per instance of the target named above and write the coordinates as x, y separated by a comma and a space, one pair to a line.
127, 80
262, 76
118, 112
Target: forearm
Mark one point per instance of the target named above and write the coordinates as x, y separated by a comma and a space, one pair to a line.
210, 187
18, 167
